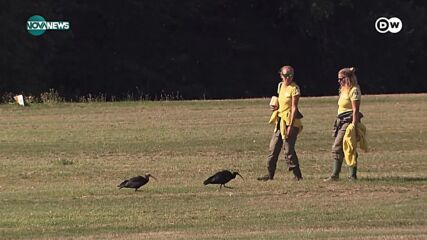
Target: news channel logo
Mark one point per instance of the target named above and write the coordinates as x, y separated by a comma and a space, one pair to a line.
384, 25
37, 25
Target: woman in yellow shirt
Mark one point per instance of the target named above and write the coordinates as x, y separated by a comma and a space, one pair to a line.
348, 112
286, 118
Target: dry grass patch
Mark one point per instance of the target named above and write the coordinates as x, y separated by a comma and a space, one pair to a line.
60, 165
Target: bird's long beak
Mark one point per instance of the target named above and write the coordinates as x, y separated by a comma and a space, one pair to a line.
240, 176
153, 177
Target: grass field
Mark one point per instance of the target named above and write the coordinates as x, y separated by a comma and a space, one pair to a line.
60, 164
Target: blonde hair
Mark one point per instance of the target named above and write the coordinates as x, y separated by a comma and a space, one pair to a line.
290, 69
350, 80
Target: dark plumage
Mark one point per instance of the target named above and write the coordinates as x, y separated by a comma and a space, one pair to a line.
136, 182
221, 178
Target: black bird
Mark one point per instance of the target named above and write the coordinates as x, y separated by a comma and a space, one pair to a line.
221, 178
136, 182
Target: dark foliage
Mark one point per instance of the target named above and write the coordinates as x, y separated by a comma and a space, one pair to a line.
211, 48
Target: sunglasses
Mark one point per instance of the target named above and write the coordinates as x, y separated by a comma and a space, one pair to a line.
287, 75
340, 79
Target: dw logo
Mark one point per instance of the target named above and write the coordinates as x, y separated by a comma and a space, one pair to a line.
393, 25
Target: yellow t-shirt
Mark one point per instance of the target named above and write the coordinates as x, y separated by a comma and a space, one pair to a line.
344, 102
285, 102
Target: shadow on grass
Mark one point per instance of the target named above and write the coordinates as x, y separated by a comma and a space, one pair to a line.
394, 179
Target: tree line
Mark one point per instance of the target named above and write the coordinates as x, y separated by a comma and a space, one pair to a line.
196, 49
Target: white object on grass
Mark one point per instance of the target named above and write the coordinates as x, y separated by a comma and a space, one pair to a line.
19, 99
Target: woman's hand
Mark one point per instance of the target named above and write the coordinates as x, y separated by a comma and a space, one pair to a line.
289, 131
274, 107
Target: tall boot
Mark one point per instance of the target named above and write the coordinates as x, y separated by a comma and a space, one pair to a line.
335, 172
337, 168
352, 171
297, 173
266, 177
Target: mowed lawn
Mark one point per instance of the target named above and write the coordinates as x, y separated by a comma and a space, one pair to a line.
60, 165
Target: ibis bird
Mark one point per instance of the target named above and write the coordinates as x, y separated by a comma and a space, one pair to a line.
136, 182
221, 178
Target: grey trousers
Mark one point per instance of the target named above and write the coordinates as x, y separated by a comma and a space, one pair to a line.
337, 149
288, 145
338, 154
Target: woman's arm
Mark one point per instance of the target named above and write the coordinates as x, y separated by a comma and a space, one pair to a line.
295, 100
355, 105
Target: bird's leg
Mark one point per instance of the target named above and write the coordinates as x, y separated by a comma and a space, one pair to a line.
136, 189
220, 186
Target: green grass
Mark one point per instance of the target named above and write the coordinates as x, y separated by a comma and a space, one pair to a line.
60, 164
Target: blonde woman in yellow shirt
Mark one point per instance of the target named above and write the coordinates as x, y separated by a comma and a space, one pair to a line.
287, 120
348, 112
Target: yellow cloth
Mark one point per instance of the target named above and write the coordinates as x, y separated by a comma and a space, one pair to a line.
350, 143
346, 97
285, 105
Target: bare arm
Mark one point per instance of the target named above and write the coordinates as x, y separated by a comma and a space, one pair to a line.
355, 105
295, 100
294, 108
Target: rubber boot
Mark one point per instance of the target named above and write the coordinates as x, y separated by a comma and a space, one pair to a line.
335, 172
352, 172
266, 177
297, 173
